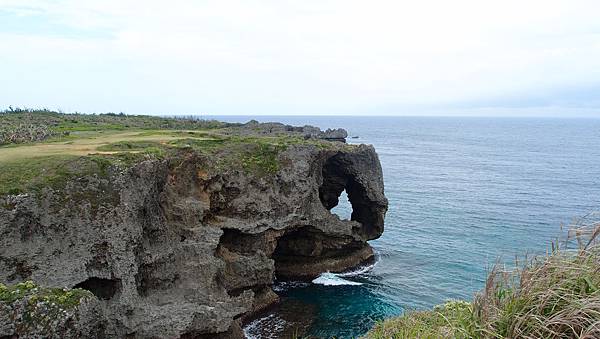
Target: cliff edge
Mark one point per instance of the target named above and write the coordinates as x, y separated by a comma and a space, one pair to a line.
186, 242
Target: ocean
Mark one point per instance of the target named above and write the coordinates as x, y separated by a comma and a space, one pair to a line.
464, 193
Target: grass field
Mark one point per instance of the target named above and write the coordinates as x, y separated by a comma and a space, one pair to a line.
86, 143
33, 166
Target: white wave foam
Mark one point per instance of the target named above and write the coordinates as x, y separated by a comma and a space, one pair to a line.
332, 279
361, 270
357, 271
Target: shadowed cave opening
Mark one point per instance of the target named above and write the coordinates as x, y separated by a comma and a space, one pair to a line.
305, 252
301, 242
246, 260
103, 289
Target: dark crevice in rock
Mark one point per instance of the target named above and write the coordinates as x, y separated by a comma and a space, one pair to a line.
154, 277
102, 288
151, 216
239, 242
309, 242
248, 267
237, 292
28, 225
300, 242
220, 202
100, 259
305, 252
22, 270
247, 260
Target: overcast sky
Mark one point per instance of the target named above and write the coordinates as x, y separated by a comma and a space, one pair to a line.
525, 57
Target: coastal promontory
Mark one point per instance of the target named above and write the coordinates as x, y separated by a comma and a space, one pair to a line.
147, 227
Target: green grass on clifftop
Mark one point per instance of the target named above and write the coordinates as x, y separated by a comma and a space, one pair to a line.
31, 125
34, 174
556, 296
44, 149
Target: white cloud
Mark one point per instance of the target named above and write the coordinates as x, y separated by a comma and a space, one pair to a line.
287, 57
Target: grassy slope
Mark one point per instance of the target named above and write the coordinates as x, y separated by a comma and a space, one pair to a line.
557, 296
89, 144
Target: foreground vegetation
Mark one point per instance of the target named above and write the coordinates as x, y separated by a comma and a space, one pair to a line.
556, 296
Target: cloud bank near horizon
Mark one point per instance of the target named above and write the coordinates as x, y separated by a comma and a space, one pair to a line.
311, 57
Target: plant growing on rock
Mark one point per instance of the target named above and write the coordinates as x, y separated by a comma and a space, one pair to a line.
30, 310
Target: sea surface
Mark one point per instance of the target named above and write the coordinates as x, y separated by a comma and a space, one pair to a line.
463, 193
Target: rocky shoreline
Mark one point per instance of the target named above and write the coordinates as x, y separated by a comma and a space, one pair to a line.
185, 247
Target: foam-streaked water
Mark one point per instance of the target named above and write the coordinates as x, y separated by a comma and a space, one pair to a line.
332, 279
463, 192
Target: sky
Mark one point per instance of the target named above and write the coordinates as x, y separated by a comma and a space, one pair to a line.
325, 57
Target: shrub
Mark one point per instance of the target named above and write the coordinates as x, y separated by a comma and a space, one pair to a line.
25, 133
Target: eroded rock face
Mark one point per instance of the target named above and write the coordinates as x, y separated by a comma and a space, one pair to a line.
185, 248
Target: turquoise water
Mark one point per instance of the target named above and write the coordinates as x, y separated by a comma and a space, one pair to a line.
463, 192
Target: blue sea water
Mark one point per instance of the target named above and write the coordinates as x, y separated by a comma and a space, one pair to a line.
463, 193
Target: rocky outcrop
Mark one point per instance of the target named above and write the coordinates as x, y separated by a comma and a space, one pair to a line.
28, 310
308, 132
187, 247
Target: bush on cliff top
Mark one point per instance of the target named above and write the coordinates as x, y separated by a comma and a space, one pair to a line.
556, 296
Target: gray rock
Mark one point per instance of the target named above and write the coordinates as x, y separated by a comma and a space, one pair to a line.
32, 316
338, 134
253, 127
182, 247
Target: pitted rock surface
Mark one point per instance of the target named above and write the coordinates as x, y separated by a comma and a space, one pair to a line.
180, 248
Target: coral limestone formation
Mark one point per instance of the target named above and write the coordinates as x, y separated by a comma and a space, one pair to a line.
188, 245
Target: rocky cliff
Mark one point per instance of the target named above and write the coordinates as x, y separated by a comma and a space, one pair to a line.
187, 245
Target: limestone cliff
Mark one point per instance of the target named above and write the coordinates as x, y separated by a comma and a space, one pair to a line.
187, 246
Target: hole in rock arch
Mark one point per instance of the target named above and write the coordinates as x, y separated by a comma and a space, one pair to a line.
103, 289
344, 208
340, 193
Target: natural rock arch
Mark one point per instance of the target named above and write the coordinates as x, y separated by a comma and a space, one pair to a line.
342, 173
